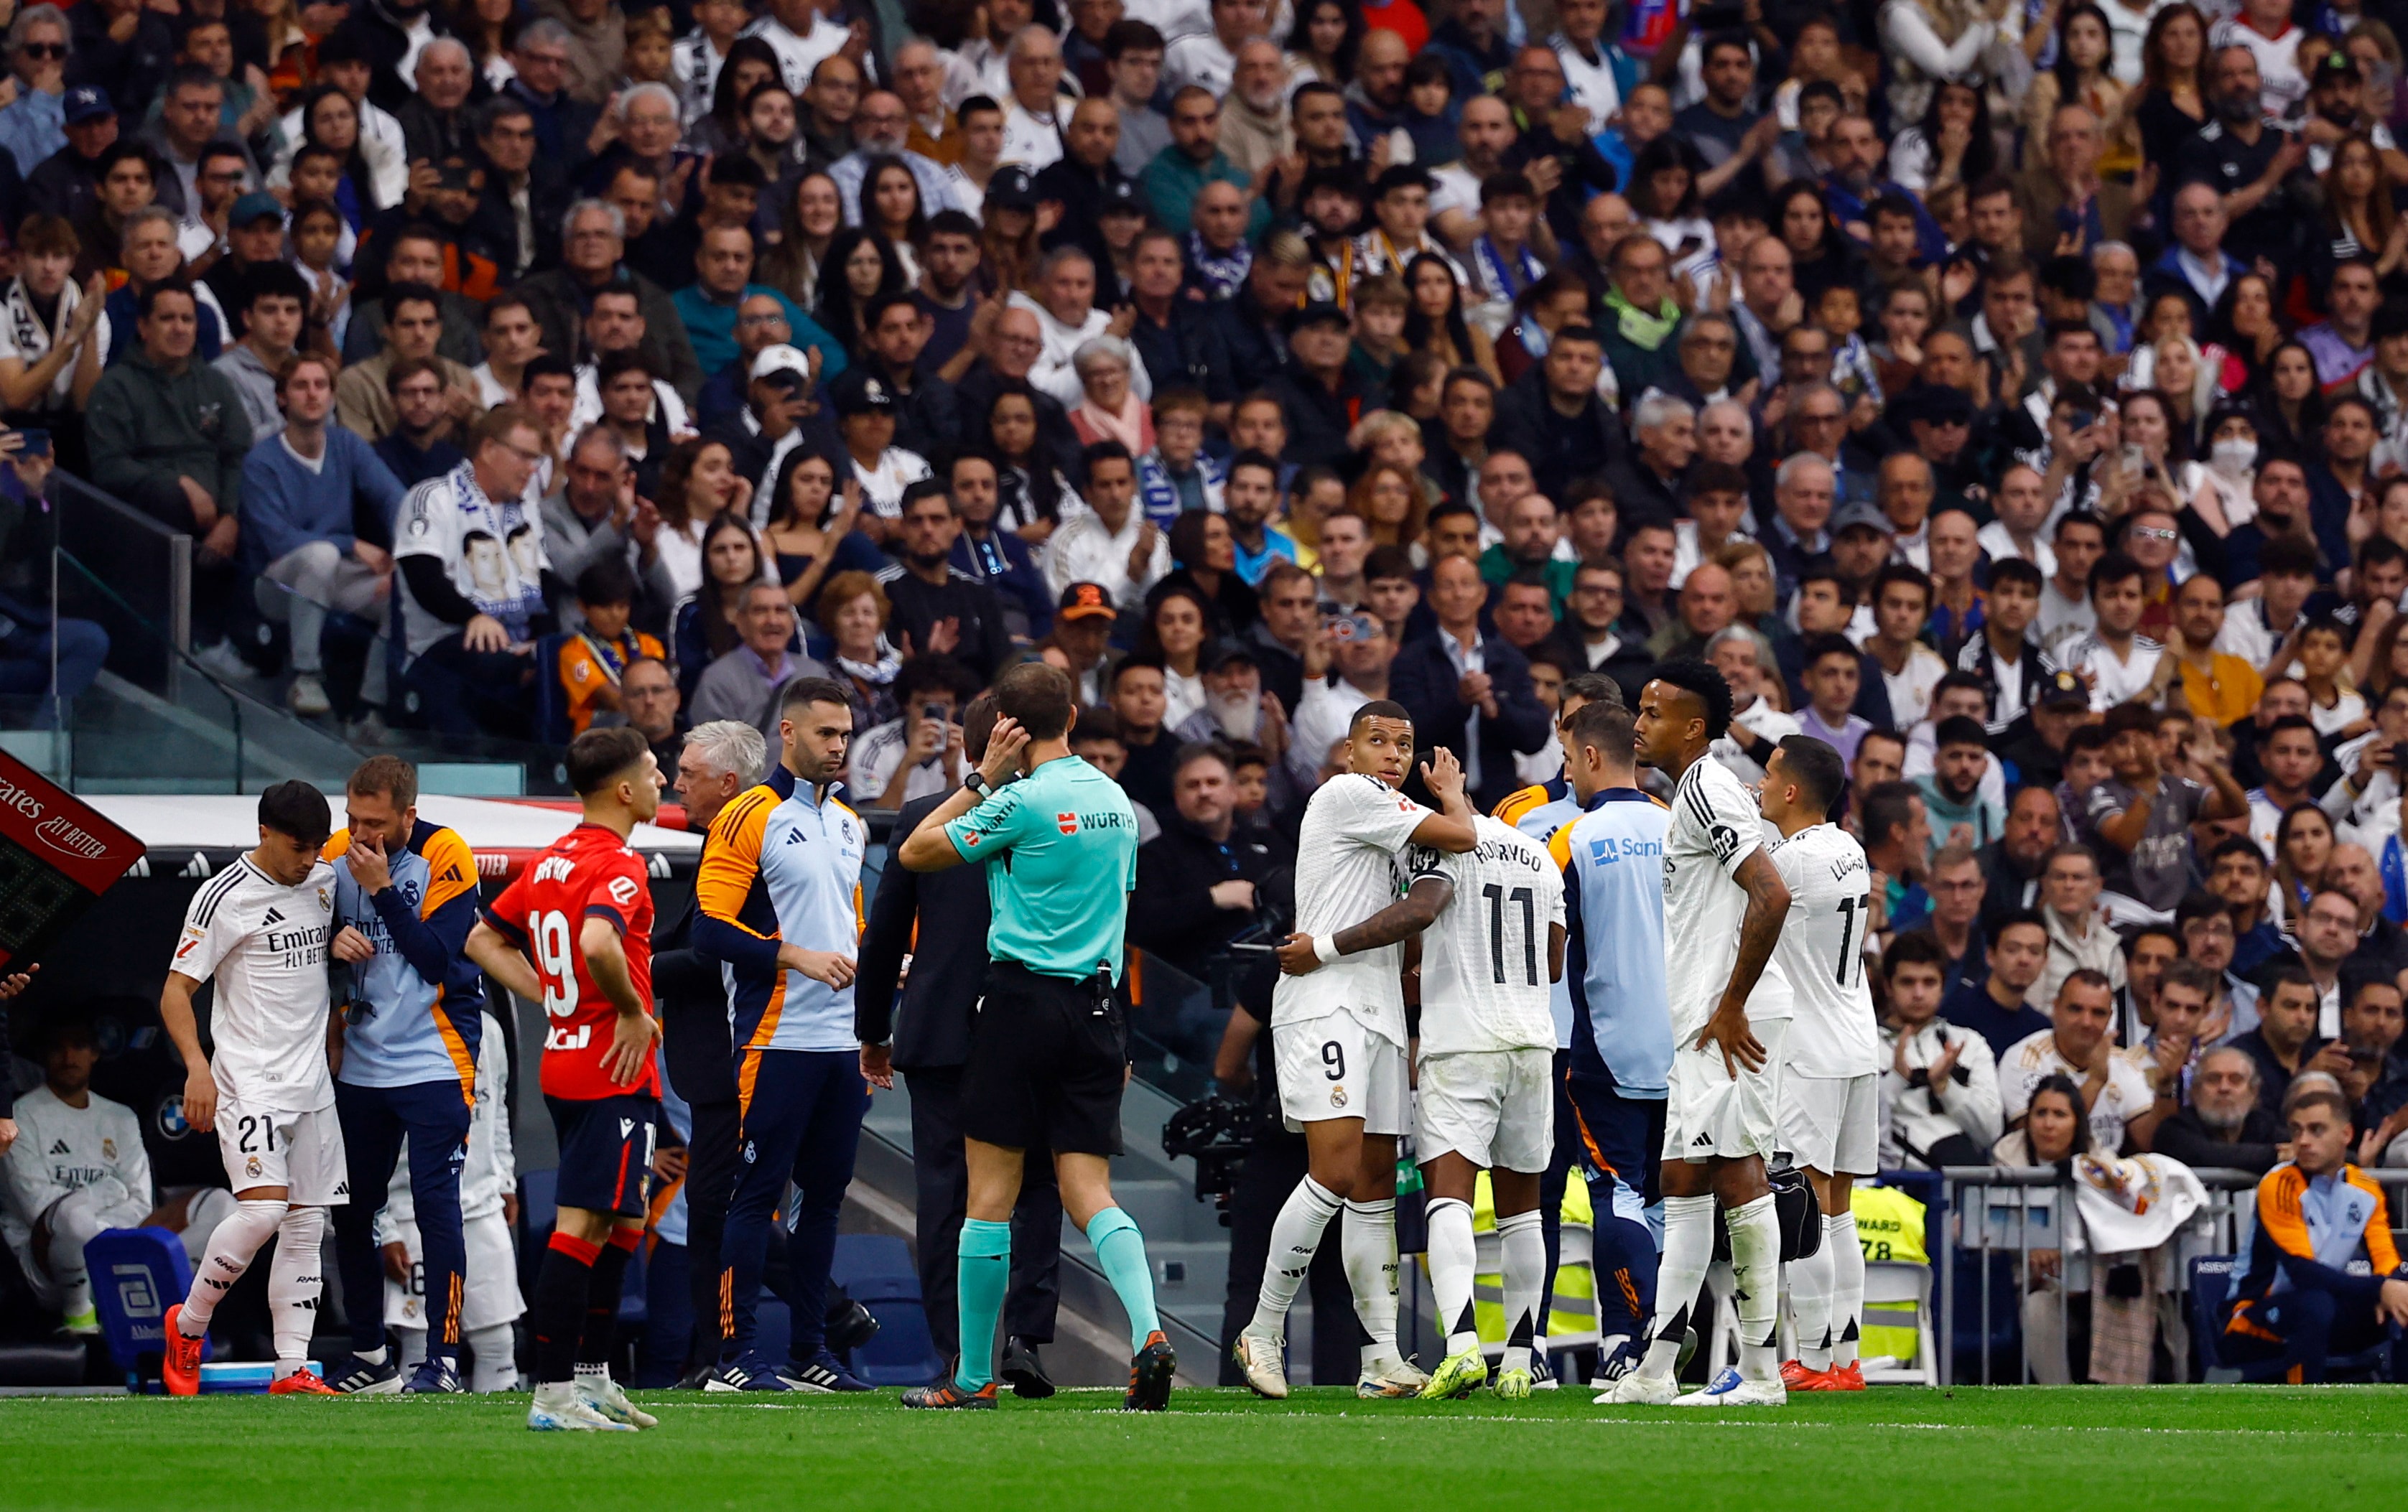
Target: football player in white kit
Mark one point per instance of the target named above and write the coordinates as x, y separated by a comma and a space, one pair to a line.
259, 931
1338, 1038
1485, 1099
489, 1300
1831, 1074
1724, 907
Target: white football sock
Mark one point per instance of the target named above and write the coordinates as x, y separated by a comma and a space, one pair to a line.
1847, 1284
412, 1349
1688, 1249
232, 1245
496, 1355
1756, 1279
294, 1281
1454, 1257
1526, 1272
1295, 1235
1367, 1238
1810, 1303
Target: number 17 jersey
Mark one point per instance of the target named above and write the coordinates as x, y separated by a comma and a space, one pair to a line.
589, 873
1822, 953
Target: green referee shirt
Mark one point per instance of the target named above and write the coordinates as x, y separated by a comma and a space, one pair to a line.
1060, 846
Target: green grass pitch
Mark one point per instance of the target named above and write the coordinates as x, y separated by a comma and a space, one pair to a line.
2261, 1449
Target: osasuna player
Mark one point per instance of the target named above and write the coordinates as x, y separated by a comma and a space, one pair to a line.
1724, 906
1541, 811
1613, 858
582, 913
405, 900
1338, 1038
489, 1300
1830, 1074
258, 931
1491, 921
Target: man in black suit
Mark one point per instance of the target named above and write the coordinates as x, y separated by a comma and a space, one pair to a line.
719, 760
1468, 690
928, 1045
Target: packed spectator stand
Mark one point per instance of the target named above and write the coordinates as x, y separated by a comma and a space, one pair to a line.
2013, 393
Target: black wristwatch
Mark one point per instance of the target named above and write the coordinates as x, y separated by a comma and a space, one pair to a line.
976, 783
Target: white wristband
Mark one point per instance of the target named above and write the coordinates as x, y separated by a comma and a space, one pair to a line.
1324, 947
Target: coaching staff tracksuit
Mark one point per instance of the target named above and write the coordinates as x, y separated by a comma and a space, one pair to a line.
932, 1039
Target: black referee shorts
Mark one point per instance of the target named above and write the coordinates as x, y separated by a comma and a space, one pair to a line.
1045, 1067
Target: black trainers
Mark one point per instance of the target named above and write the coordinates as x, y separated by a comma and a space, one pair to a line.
436, 1377
1023, 1371
355, 1377
823, 1371
1150, 1373
949, 1394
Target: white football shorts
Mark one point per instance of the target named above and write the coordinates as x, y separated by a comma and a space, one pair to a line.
1496, 1109
301, 1152
1333, 1067
1831, 1125
1708, 1112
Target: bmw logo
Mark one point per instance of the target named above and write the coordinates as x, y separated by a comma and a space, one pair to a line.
171, 1118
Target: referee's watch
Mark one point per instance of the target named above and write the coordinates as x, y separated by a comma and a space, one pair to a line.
976, 783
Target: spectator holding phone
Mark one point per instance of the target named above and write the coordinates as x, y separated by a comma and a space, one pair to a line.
918, 754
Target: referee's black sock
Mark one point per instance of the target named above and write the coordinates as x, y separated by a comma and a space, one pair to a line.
601, 1330
558, 1316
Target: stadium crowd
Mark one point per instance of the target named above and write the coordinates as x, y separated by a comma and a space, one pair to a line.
2013, 393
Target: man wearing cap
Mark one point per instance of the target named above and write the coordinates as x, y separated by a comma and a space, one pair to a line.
939, 608
34, 126
770, 421
865, 408
1319, 398
711, 305
1083, 617
65, 183
127, 68
254, 238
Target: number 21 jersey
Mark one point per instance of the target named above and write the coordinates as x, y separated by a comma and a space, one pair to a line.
589, 873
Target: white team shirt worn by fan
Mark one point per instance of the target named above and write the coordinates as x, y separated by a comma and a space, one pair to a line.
1355, 830
1821, 953
492, 550
265, 946
1484, 979
1715, 827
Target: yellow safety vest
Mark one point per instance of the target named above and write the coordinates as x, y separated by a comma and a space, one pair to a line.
1890, 1227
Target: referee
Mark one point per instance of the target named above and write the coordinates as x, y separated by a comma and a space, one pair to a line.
1048, 1048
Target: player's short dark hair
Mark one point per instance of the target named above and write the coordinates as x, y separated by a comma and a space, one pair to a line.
388, 777
1890, 806
1592, 688
1820, 773
2016, 570
1959, 730
1038, 696
1607, 728
608, 580
2025, 916
1702, 681
803, 692
1378, 708
293, 807
599, 755
1915, 946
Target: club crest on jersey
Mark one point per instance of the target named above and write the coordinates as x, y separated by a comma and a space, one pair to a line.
108, 1149
324, 901
1337, 1097
1067, 823
251, 1165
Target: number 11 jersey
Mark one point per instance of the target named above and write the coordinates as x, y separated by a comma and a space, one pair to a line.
1822, 953
1484, 982
589, 873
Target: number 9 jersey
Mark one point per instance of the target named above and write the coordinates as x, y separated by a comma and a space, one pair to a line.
589, 873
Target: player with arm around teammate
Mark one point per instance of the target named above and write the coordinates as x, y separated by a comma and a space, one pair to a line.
258, 931
1724, 906
574, 933
1491, 924
1831, 1074
1338, 1039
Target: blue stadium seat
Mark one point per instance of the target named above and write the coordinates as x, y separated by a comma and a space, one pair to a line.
876, 1270
137, 1274
2211, 1278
